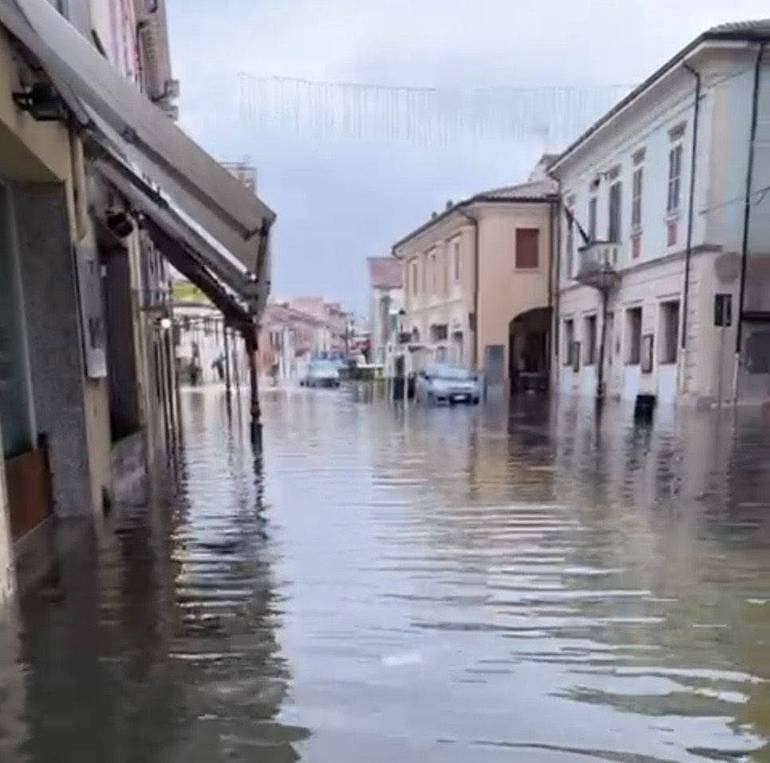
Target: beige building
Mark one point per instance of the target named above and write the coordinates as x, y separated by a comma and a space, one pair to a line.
476, 284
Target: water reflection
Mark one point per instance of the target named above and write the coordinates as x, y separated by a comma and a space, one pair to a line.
155, 639
410, 584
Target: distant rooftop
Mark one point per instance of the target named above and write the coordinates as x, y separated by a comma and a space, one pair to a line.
385, 273
537, 190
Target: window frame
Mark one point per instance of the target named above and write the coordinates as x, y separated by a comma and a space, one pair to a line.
615, 212
633, 344
590, 339
674, 185
456, 261
593, 216
637, 189
568, 326
527, 268
668, 340
569, 238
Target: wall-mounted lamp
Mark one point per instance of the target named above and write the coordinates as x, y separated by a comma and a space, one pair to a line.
41, 101
165, 323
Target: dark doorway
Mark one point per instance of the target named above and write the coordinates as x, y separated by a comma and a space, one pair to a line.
528, 354
121, 354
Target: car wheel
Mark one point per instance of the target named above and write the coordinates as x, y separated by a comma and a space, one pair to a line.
475, 401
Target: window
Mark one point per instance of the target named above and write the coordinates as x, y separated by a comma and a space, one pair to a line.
434, 273
589, 340
592, 218
570, 238
415, 277
569, 340
674, 178
633, 336
671, 233
636, 246
614, 222
636, 198
445, 265
669, 331
456, 259
527, 248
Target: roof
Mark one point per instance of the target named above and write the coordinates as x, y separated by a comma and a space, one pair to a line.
522, 193
276, 312
385, 273
757, 30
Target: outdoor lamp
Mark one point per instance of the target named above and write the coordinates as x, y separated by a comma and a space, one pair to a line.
41, 101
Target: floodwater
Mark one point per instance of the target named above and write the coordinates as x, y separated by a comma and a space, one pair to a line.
442, 585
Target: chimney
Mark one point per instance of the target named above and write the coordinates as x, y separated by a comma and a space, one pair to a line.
449, 204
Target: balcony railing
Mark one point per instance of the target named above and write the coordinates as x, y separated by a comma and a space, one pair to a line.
597, 264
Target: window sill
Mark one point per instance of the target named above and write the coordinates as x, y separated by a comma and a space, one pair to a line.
667, 362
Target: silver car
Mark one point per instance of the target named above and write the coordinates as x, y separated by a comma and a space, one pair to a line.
321, 373
447, 384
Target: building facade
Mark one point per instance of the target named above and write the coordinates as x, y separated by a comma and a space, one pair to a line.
334, 319
665, 246
386, 306
477, 284
86, 398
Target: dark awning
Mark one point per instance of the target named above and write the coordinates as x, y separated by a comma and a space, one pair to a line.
194, 254
117, 115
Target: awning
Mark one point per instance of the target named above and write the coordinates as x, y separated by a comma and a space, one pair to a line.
116, 114
191, 251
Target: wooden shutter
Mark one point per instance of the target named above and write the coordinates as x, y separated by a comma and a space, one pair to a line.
527, 247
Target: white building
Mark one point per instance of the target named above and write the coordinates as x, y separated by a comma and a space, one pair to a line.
386, 303
666, 232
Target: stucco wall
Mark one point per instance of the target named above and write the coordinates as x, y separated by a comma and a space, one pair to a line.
71, 411
506, 291
706, 369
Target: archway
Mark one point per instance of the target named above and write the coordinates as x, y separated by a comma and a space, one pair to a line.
528, 350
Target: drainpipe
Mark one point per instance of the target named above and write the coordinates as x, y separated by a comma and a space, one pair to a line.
602, 343
475, 222
554, 279
690, 223
747, 212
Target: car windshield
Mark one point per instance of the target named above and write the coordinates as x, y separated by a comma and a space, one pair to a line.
453, 373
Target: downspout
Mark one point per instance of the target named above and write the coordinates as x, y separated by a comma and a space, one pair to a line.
474, 221
554, 279
690, 222
747, 212
602, 343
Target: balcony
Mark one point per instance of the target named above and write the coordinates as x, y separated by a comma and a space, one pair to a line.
597, 264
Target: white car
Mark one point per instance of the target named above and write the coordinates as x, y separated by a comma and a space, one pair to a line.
321, 373
447, 384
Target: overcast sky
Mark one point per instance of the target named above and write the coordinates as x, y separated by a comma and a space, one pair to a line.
340, 200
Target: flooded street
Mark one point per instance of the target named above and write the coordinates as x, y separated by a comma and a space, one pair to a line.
455, 584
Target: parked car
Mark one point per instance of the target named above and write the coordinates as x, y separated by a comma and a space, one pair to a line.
447, 384
321, 373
